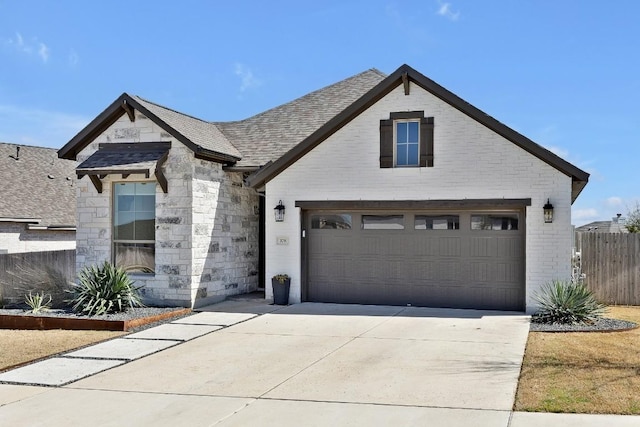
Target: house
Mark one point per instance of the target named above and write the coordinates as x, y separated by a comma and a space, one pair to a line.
616, 225
395, 191
38, 200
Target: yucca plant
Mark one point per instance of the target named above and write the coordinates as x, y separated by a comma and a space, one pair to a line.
563, 301
104, 289
39, 302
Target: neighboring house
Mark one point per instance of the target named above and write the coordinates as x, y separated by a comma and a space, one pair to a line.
396, 191
37, 200
616, 225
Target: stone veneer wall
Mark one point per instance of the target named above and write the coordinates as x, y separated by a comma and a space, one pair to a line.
206, 229
225, 234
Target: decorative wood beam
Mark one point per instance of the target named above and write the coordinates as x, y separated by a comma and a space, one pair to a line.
129, 110
405, 82
96, 183
162, 180
125, 175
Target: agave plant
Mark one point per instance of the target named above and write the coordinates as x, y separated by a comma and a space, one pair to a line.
39, 302
567, 302
104, 289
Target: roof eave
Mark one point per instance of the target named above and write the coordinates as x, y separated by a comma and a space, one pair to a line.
117, 109
272, 169
97, 126
395, 79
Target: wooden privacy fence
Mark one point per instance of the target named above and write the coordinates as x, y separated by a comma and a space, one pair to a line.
49, 272
611, 262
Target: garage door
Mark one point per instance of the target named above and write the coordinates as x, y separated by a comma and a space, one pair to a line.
468, 259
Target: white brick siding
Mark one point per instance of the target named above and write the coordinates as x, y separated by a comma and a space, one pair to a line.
470, 162
16, 238
205, 208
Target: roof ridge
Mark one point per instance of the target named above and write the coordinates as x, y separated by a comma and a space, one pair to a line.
28, 145
307, 95
171, 109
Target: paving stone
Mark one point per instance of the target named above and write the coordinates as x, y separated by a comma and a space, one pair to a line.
123, 348
214, 318
176, 332
57, 371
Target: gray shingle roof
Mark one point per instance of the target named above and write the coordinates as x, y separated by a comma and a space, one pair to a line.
202, 133
35, 185
604, 227
268, 135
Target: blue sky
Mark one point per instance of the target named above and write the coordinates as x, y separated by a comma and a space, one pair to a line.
564, 73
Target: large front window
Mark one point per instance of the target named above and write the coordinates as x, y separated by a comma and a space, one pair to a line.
134, 226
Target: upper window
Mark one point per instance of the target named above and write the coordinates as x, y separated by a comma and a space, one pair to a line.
407, 142
134, 225
406, 139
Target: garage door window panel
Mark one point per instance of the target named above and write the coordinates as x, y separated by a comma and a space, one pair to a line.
437, 222
331, 222
493, 222
383, 222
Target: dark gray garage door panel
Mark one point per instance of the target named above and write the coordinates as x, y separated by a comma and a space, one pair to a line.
440, 268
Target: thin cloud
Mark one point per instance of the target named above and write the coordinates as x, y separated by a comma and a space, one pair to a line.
446, 10
38, 127
558, 151
411, 26
28, 47
586, 215
43, 52
73, 58
613, 202
247, 79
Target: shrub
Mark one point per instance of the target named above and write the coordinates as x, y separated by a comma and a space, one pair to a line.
281, 278
39, 302
104, 289
567, 302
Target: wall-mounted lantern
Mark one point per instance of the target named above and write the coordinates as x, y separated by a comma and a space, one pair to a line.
279, 212
548, 212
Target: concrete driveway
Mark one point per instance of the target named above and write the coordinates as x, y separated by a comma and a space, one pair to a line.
306, 364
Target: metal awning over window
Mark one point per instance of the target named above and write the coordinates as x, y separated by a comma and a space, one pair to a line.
126, 159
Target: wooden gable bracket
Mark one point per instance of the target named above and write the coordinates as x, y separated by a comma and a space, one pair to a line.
96, 183
405, 82
125, 175
129, 110
162, 180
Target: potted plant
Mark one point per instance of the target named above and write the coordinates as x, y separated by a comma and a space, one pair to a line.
281, 284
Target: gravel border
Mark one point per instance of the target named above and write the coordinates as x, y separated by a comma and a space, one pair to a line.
130, 314
602, 324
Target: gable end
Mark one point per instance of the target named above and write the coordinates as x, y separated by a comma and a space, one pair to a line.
399, 77
126, 104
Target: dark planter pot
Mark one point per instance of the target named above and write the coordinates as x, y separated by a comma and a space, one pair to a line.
281, 291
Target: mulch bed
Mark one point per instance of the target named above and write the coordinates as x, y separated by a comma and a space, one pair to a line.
602, 324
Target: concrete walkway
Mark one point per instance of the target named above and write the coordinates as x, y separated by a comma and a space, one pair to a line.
243, 362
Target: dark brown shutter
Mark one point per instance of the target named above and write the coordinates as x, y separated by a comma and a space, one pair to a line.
426, 142
386, 143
